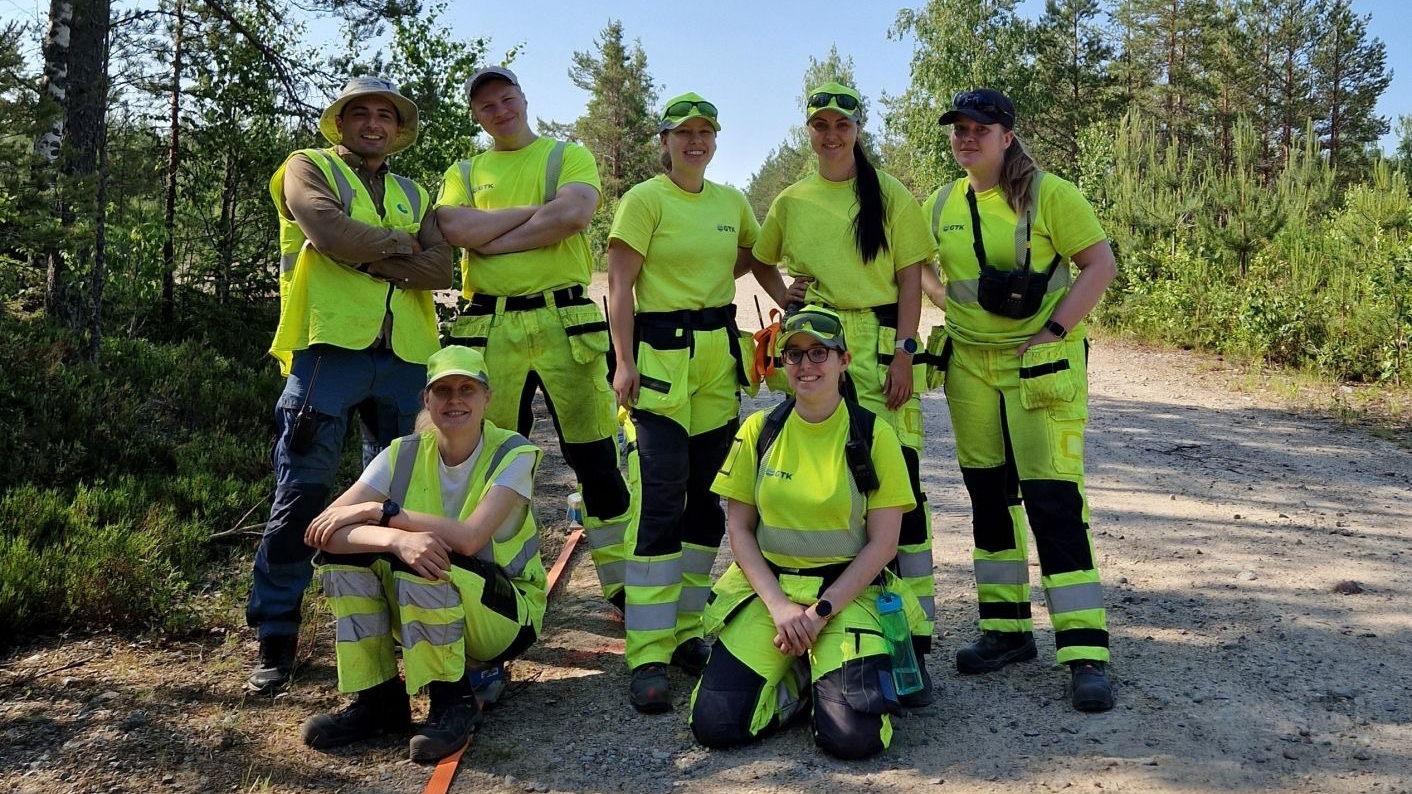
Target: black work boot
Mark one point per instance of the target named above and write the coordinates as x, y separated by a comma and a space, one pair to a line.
276, 664
995, 649
383, 709
1089, 688
649, 691
454, 716
691, 656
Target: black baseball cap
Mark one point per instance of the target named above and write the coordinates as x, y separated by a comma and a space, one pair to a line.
985, 105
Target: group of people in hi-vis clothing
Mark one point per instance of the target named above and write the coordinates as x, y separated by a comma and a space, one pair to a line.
828, 607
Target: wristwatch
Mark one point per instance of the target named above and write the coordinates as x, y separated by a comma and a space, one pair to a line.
389, 509
1056, 329
907, 345
823, 607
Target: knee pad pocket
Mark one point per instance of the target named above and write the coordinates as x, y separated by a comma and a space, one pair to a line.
850, 704
725, 700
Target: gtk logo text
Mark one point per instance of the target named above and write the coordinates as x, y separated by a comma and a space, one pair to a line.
725, 227
783, 475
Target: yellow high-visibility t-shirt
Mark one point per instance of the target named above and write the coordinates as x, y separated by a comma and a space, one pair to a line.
806, 484
515, 179
1065, 224
810, 229
688, 241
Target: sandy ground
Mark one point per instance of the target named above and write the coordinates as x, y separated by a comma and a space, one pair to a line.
1223, 519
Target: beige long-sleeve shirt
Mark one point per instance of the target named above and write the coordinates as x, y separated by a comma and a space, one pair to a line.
384, 253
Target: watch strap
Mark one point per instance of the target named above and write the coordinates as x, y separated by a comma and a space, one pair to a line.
1056, 329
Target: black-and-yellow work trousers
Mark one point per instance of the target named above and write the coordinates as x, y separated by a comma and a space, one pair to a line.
687, 412
1019, 427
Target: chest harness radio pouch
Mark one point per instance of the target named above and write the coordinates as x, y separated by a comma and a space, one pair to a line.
1016, 293
858, 451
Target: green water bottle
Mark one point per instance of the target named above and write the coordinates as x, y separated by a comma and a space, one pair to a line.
906, 678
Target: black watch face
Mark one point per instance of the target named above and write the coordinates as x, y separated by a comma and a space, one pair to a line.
910, 345
823, 609
390, 508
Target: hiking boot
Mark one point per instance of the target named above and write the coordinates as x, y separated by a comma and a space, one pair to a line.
276, 664
691, 656
489, 683
383, 709
453, 718
1089, 688
649, 691
995, 649
922, 697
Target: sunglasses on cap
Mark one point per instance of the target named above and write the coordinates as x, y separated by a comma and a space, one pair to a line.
982, 103
679, 109
824, 98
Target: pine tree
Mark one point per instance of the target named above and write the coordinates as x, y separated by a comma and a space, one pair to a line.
1072, 61
1350, 73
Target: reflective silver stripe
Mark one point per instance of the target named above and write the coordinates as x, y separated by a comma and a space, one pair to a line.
486, 553
810, 543
510, 444
351, 584
606, 534
1001, 572
465, 166
928, 606
697, 560
1074, 597
427, 594
340, 182
415, 631
652, 573
693, 599
650, 617
914, 564
352, 628
287, 262
968, 290
402, 470
517, 565
552, 168
414, 196
941, 198
611, 572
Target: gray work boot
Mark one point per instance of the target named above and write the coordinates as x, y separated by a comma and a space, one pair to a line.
271, 673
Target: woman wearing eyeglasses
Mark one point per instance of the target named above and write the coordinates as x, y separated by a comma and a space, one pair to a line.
858, 243
815, 489
435, 548
677, 243
1017, 387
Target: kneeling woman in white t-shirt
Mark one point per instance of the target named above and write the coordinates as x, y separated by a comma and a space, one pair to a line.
816, 491
434, 548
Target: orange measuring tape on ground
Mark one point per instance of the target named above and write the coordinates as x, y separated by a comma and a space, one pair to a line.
445, 771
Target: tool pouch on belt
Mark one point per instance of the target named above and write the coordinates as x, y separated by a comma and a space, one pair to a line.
1047, 377
1016, 294
745, 360
586, 329
938, 357
472, 330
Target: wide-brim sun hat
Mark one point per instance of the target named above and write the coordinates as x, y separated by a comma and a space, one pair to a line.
457, 360
690, 105
372, 86
982, 105
815, 321
836, 97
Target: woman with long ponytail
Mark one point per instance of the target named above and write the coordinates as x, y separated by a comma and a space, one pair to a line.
856, 242
1016, 383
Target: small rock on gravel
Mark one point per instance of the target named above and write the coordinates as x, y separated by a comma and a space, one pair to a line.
1247, 576
1348, 587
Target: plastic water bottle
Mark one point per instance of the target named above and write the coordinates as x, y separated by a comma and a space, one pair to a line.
906, 678
574, 509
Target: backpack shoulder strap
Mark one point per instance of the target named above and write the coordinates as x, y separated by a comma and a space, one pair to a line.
774, 422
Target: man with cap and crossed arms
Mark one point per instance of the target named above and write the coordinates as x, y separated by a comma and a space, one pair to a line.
360, 254
519, 212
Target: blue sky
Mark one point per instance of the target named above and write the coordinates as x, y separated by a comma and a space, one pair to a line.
747, 57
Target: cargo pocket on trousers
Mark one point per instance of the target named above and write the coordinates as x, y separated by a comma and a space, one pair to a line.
867, 686
472, 331
1047, 378
938, 357
662, 379
587, 331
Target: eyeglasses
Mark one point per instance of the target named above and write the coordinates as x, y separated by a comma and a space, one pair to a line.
824, 98
794, 355
682, 108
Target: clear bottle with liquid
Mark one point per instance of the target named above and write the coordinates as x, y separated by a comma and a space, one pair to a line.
906, 677
574, 509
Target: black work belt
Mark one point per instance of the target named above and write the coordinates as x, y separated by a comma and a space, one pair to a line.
827, 574
677, 331
708, 319
482, 304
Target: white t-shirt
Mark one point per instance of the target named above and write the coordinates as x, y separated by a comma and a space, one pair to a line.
455, 480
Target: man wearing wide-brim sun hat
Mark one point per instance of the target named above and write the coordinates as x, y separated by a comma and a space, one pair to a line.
360, 253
